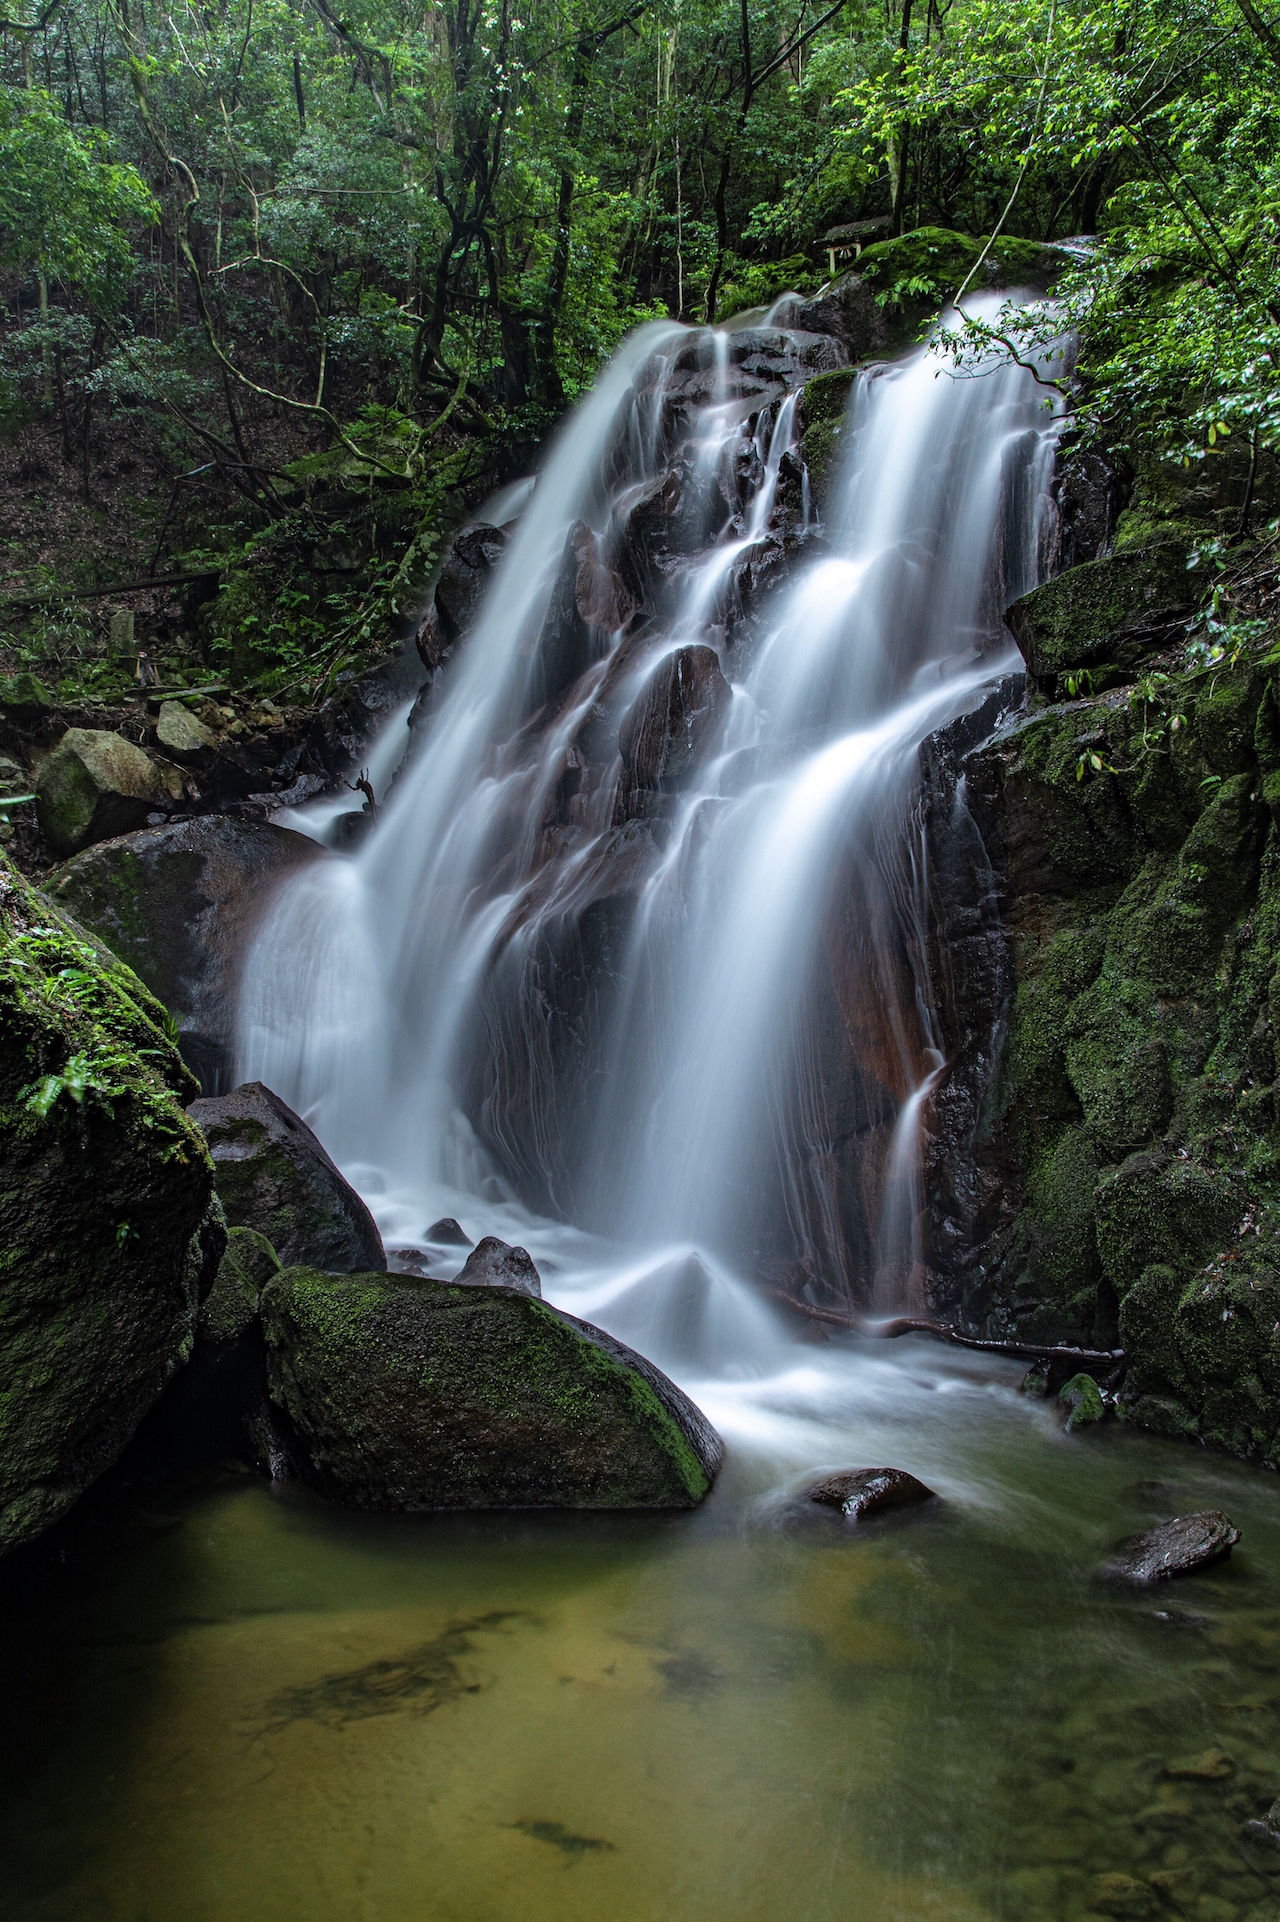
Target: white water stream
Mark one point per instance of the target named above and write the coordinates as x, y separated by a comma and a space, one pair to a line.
396, 995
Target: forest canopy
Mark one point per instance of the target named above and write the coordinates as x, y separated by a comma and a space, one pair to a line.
403, 237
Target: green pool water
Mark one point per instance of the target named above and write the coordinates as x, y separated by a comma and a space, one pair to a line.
250, 1706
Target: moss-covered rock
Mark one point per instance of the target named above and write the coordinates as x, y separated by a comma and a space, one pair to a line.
928, 266
109, 1233
180, 903
1107, 614
825, 399
405, 1394
274, 1175
1133, 1119
1082, 1397
97, 784
25, 700
231, 1308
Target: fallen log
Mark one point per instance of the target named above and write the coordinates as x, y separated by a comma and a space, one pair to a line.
889, 1328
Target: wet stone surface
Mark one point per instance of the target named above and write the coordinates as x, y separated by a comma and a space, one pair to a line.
1179, 1547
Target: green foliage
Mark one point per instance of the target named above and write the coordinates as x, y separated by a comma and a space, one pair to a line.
65, 205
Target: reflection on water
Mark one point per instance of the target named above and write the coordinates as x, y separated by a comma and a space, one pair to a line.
264, 1709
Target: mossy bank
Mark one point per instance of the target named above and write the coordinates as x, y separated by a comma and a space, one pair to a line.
109, 1231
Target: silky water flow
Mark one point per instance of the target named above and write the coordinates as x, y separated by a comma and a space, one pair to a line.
265, 1708
396, 994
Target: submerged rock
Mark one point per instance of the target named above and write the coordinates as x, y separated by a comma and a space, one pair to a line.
407, 1394
860, 1492
97, 784
495, 1264
109, 1231
180, 904
274, 1175
1123, 1897
1179, 1547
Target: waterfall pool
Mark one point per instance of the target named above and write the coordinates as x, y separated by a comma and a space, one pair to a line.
252, 1706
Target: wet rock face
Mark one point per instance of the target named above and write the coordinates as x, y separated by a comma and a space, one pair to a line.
669, 726
1106, 1003
861, 1492
589, 602
109, 1232
460, 588
273, 1175
1178, 1547
179, 903
495, 1264
95, 785
400, 1394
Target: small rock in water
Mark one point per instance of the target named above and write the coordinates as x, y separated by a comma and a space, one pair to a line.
446, 1233
1084, 1398
1178, 1547
494, 1264
859, 1492
1266, 1831
1036, 1380
1214, 1765
1122, 1896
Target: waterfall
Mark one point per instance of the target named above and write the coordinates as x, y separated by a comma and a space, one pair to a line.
676, 1037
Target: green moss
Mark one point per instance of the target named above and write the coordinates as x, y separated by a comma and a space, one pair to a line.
931, 263
825, 399
107, 1232
1084, 1399
422, 1394
1113, 610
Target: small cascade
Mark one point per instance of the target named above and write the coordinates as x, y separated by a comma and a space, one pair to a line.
633, 969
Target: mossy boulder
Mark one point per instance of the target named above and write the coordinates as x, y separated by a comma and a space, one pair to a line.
109, 1230
231, 1308
824, 402
1082, 1398
1131, 1105
402, 1394
274, 1175
1109, 613
25, 701
96, 784
180, 904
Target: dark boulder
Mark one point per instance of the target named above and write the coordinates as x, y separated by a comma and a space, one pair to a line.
180, 903
849, 313
1179, 1547
494, 1264
109, 1230
860, 1492
96, 784
273, 1175
1113, 612
460, 588
669, 724
231, 1307
447, 1233
589, 600
403, 1394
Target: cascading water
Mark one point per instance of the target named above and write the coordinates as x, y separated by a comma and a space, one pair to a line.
687, 1017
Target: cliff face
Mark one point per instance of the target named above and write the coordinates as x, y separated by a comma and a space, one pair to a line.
1105, 1157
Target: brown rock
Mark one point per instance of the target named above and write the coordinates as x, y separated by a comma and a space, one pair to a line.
495, 1264
860, 1492
1178, 1547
